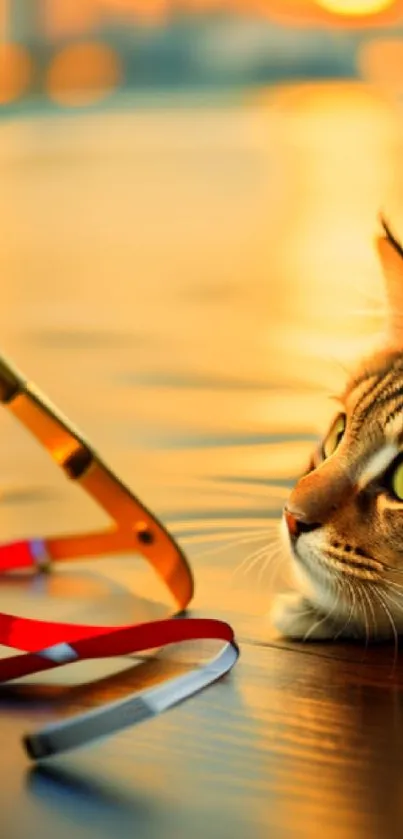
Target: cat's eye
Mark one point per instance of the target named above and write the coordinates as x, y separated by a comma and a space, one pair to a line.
335, 436
396, 481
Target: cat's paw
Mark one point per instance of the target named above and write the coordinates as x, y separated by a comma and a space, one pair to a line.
295, 618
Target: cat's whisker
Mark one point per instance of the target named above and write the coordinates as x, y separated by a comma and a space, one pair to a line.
243, 565
389, 568
244, 490
275, 569
371, 608
283, 565
346, 583
397, 586
339, 363
210, 526
271, 539
246, 539
392, 623
396, 602
273, 561
365, 616
250, 561
254, 560
275, 549
322, 620
225, 535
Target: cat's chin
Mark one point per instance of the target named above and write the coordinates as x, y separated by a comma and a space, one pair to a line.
314, 584
315, 611
300, 615
318, 610
303, 578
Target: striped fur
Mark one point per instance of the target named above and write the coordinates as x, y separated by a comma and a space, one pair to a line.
348, 558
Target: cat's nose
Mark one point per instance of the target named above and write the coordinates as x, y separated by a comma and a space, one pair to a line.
297, 524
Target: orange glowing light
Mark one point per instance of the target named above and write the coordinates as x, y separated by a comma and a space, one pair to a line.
83, 73
381, 62
63, 18
153, 9
355, 7
15, 72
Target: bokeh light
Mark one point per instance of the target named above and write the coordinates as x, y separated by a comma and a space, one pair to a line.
16, 71
149, 10
83, 73
381, 62
61, 19
355, 7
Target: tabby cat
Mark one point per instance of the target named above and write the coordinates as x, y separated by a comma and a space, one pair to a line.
343, 521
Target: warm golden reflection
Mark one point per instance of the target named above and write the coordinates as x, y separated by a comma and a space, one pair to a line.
338, 194
309, 725
355, 7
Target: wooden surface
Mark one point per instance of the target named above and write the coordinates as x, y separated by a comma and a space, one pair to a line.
186, 285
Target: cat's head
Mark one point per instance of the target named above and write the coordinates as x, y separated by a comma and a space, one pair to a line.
344, 517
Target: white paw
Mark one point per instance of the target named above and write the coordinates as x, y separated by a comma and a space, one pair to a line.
295, 618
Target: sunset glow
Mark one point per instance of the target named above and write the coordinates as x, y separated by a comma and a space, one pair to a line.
355, 7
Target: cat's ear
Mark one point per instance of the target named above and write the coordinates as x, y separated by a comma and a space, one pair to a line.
390, 253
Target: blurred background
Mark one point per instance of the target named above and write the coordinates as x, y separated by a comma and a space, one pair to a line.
58, 53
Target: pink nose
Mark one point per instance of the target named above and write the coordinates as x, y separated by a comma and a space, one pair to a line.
291, 522
297, 523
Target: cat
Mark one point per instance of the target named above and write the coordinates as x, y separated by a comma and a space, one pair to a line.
343, 521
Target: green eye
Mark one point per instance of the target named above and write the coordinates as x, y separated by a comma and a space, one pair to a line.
397, 481
334, 437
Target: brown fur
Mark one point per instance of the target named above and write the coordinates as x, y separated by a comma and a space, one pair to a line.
347, 553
